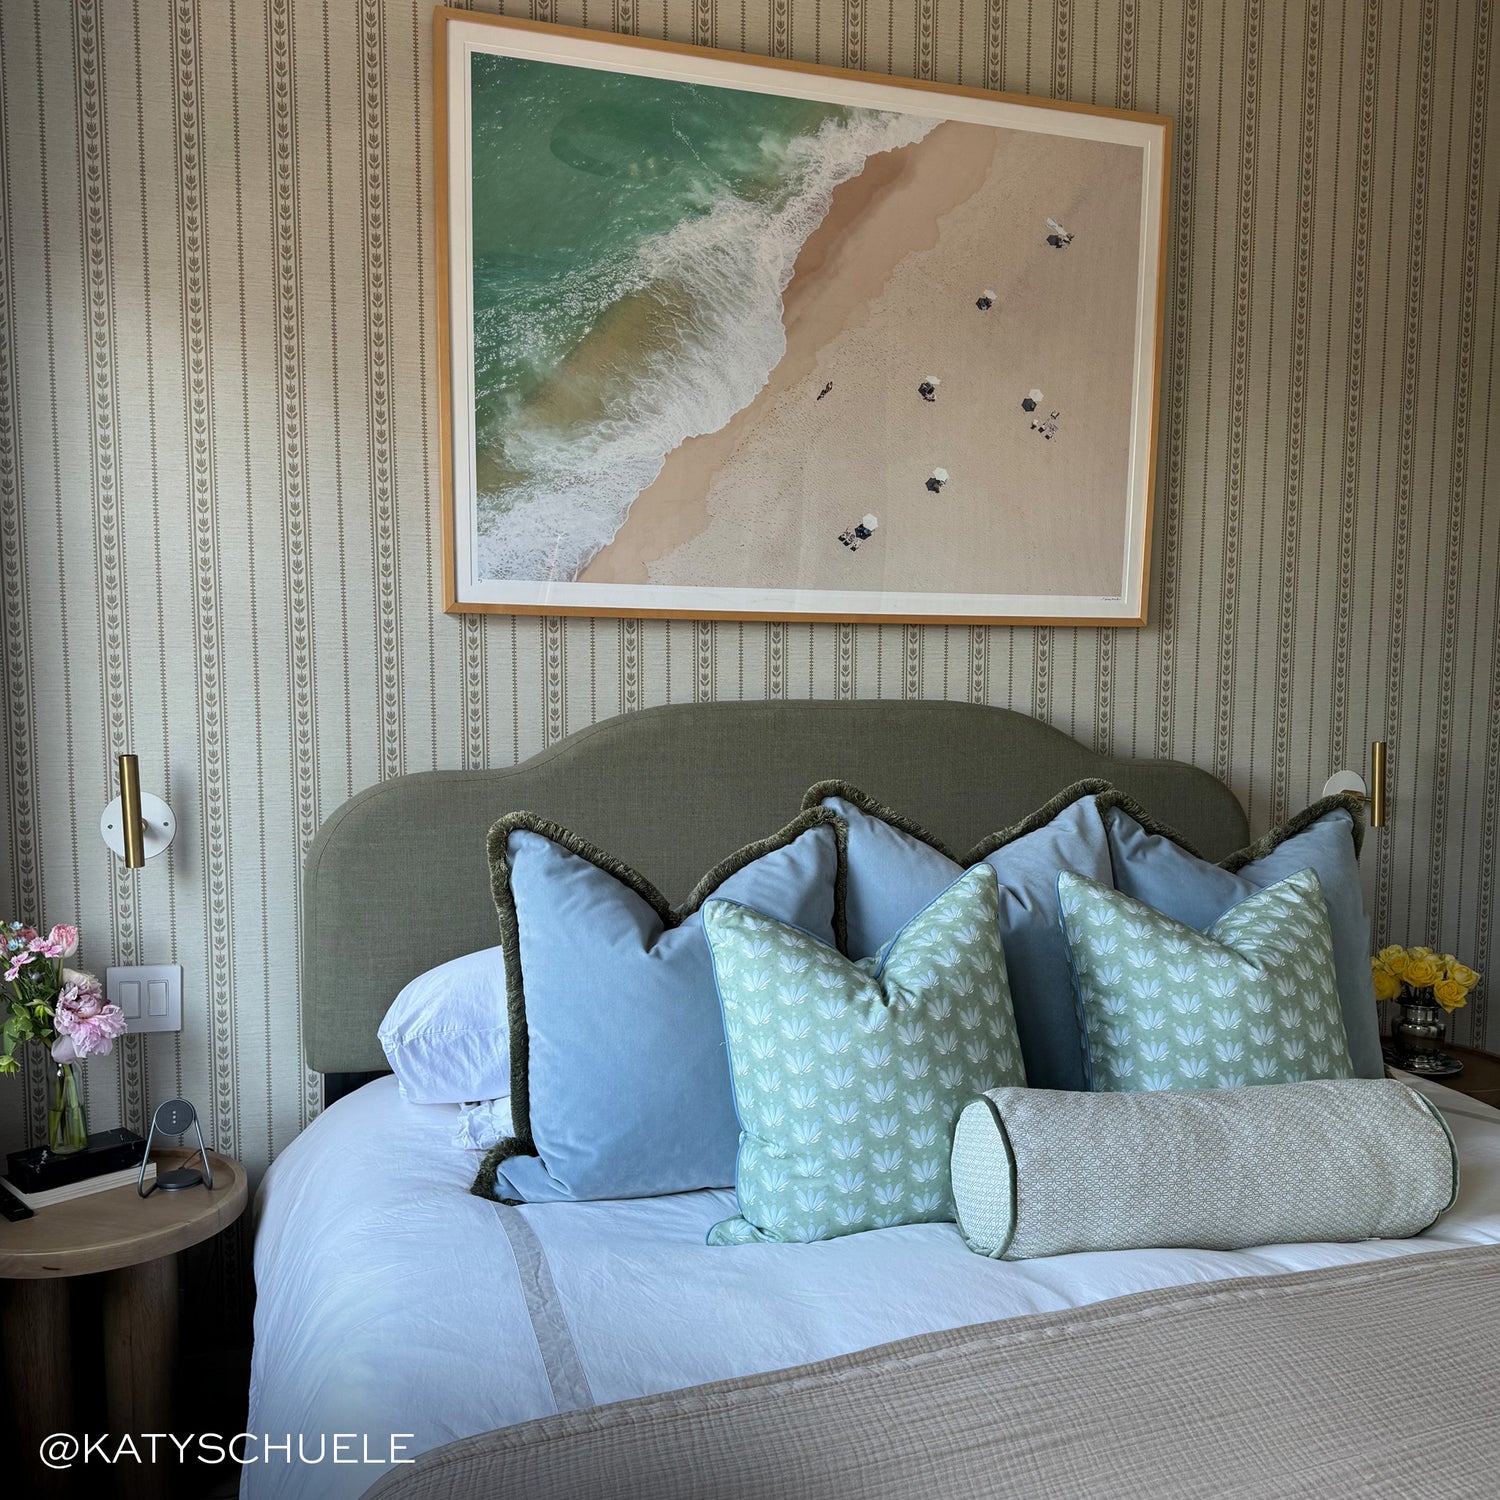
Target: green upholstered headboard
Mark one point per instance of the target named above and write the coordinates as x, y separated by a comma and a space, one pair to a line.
396, 880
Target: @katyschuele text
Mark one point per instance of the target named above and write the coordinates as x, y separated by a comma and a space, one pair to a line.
67, 1450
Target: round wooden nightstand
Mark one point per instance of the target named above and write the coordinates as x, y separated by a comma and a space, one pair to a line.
1480, 1078
133, 1242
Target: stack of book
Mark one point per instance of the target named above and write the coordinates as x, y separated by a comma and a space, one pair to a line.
111, 1159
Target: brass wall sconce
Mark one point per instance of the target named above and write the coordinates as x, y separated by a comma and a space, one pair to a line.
136, 825
1352, 783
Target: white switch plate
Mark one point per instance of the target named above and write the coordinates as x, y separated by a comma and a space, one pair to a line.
150, 995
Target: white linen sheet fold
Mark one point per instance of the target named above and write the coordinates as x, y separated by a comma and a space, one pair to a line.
393, 1304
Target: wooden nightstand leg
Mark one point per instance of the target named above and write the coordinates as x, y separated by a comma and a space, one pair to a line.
35, 1338
140, 1365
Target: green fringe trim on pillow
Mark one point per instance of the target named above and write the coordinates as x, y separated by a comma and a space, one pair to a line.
1114, 797
1351, 804
1348, 801
867, 804
489, 1169
1089, 786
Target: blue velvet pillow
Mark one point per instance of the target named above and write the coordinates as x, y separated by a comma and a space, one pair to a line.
895, 869
1154, 866
620, 1082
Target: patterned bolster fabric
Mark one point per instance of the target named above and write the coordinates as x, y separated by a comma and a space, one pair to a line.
1042, 1172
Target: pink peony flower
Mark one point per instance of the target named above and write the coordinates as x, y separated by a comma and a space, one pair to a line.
91, 1033
63, 1050
76, 1000
65, 938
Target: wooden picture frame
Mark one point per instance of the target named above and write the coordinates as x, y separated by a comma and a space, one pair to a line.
730, 337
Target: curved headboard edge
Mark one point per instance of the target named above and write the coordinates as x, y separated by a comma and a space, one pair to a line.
396, 880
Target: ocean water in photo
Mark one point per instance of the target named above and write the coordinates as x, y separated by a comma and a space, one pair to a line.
632, 240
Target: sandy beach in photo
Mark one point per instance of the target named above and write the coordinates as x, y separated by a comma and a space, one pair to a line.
881, 298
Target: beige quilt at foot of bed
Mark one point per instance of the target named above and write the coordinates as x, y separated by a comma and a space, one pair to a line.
1378, 1379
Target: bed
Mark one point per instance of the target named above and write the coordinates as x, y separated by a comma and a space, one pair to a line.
396, 1307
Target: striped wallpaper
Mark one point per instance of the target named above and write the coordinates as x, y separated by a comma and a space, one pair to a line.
218, 477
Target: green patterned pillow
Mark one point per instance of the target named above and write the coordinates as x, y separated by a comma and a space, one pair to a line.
1251, 1000
848, 1077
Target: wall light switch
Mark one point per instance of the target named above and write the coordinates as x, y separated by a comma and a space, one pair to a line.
150, 995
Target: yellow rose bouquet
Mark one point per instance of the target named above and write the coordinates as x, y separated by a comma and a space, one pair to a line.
1421, 976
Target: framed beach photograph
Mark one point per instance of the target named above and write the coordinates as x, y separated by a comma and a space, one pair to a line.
726, 337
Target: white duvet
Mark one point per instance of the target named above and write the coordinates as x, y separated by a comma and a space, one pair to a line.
395, 1307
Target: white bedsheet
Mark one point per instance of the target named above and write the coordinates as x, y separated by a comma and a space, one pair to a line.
391, 1301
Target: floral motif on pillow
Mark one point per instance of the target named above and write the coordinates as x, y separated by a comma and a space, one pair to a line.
1254, 999
848, 1076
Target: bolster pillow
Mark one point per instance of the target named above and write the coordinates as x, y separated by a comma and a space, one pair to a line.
1042, 1172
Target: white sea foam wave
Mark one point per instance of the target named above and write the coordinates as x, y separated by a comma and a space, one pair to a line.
734, 262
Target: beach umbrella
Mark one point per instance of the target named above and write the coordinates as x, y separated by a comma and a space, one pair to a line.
1035, 394
869, 523
987, 292
941, 475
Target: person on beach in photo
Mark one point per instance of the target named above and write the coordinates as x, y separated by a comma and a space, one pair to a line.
936, 480
1047, 426
986, 300
1057, 236
824, 391
928, 388
862, 532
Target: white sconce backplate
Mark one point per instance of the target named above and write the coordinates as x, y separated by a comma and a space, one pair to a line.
1344, 781
156, 817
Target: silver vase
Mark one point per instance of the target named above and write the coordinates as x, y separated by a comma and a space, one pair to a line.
1417, 1037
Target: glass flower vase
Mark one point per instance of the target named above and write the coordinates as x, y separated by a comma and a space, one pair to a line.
67, 1130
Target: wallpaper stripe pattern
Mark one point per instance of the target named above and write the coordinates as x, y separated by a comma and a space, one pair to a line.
217, 473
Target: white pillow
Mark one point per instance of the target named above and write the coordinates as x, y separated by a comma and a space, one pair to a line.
483, 1125
447, 1034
